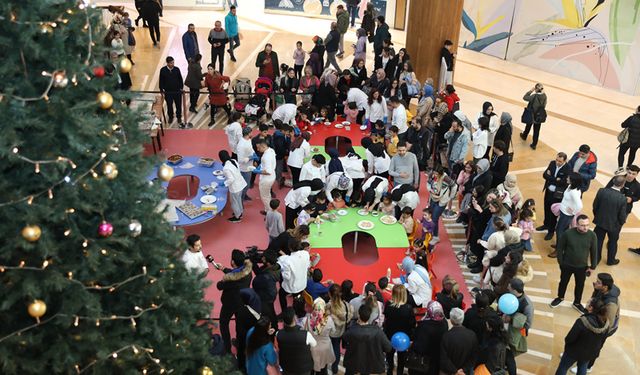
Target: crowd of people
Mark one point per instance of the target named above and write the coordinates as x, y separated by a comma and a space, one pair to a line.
408, 148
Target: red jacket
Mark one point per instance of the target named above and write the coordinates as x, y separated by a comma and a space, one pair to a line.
451, 100
217, 95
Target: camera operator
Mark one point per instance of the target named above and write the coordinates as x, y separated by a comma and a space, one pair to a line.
294, 269
235, 278
267, 271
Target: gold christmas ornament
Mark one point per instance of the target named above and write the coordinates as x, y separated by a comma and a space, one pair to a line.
60, 79
37, 308
165, 173
205, 370
31, 233
105, 100
110, 170
45, 28
125, 65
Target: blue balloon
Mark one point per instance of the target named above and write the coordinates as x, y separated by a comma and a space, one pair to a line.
400, 341
508, 303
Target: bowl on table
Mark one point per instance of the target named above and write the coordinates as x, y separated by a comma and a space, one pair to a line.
174, 159
339, 126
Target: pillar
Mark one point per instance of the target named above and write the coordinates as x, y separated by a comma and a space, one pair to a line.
430, 23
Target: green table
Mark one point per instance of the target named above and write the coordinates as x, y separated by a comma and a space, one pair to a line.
358, 149
386, 236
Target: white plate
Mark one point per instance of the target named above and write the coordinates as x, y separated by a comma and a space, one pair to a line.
345, 123
365, 224
363, 127
342, 212
220, 177
327, 123
208, 199
218, 172
388, 219
339, 126
363, 212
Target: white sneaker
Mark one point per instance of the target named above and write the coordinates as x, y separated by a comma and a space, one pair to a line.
434, 241
574, 370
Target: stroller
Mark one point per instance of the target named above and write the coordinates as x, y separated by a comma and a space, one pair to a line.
242, 93
257, 106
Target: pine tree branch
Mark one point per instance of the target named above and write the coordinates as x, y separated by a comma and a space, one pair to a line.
29, 327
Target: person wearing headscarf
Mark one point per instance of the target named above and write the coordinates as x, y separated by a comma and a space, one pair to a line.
416, 280
381, 161
298, 197
320, 324
318, 49
427, 336
372, 191
405, 195
487, 112
354, 168
425, 104
300, 149
505, 130
341, 182
361, 45
334, 163
327, 98
483, 176
510, 186
246, 317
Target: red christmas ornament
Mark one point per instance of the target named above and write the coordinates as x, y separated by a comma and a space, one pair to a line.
105, 229
98, 71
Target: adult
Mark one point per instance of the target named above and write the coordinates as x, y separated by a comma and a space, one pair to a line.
360, 49
282, 142
487, 112
418, 143
294, 345
404, 167
399, 117
577, 256
398, 317
193, 258
451, 98
459, 347
314, 168
218, 38
584, 162
335, 165
326, 96
297, 198
355, 95
555, 183
289, 238
354, 169
482, 176
378, 160
352, 10
405, 195
480, 140
396, 65
231, 26
245, 159
632, 124
364, 344
585, 339
214, 82
332, 44
294, 268
339, 181
234, 131
631, 188
379, 81
289, 86
522, 319
457, 145
194, 81
260, 350
427, 336
442, 189
570, 205
376, 109
235, 278
372, 191
300, 150
171, 84
425, 104
509, 189
382, 34
190, 43
499, 166
368, 22
346, 81
609, 215
505, 130
267, 274
417, 282
320, 324
285, 114
267, 63
267, 172
319, 49
369, 298
246, 318
342, 23
309, 85
450, 295
138, 6
341, 312
536, 113
409, 84
475, 318
150, 10
447, 61
494, 352
235, 183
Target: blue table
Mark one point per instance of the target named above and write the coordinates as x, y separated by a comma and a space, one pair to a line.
205, 174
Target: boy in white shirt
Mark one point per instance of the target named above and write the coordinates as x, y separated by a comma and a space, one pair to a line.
399, 117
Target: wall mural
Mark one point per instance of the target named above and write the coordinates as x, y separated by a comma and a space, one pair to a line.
321, 7
595, 41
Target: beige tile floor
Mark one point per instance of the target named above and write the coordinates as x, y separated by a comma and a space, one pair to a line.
578, 113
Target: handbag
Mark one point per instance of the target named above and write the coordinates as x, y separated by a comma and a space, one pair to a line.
540, 116
415, 361
558, 194
623, 136
527, 116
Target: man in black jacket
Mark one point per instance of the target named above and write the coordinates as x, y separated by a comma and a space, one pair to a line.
235, 278
631, 188
332, 42
555, 181
264, 283
295, 346
151, 11
459, 346
171, 84
609, 215
218, 39
365, 345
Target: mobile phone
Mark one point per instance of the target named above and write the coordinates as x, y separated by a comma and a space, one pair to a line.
209, 259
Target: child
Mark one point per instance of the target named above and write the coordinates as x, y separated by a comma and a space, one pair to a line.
387, 207
379, 129
427, 223
420, 253
351, 112
526, 224
302, 119
392, 147
298, 59
273, 221
304, 217
385, 288
315, 287
406, 219
314, 258
320, 203
531, 205
338, 202
326, 113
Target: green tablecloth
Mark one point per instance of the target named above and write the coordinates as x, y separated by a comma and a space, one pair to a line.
386, 236
358, 149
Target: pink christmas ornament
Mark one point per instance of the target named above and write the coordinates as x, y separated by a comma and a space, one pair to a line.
105, 229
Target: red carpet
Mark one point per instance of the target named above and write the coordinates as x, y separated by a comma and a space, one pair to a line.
219, 236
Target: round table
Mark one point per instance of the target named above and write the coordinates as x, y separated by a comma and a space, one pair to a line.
189, 167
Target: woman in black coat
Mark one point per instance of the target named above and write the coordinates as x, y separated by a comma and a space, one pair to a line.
398, 317
633, 142
495, 352
246, 318
289, 85
585, 339
505, 130
499, 166
427, 337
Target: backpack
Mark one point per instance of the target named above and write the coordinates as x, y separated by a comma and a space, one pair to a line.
242, 88
217, 345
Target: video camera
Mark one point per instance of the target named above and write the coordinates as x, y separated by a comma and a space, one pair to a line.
254, 254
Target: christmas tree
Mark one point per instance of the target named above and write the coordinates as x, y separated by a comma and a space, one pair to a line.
91, 280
